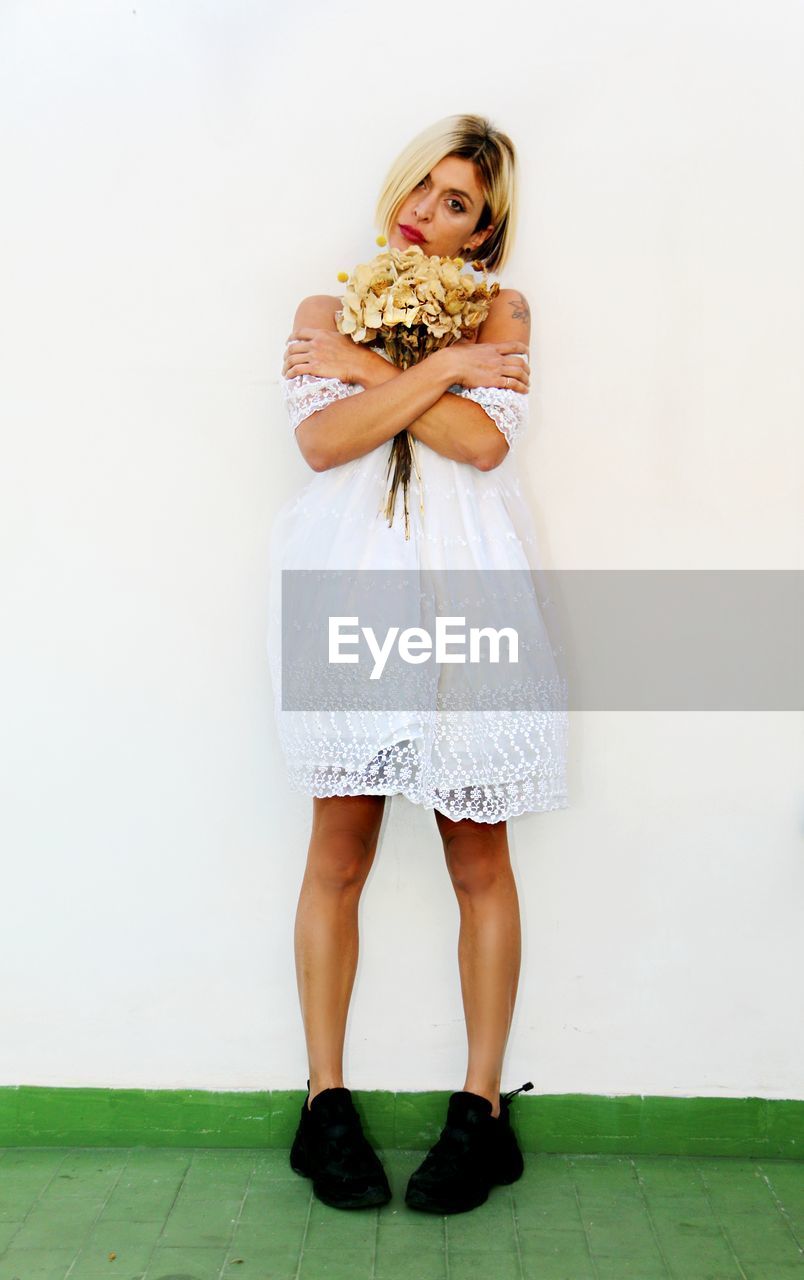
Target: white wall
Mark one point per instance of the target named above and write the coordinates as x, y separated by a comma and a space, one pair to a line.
176, 177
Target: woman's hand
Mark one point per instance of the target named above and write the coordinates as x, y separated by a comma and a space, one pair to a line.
490, 364
325, 353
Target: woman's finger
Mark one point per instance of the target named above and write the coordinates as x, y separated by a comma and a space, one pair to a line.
516, 377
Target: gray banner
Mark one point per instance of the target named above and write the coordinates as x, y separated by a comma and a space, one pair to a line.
632, 640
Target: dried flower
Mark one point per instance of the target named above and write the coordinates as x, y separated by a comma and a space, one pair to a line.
415, 303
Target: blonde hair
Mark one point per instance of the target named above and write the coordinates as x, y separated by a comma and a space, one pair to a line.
494, 155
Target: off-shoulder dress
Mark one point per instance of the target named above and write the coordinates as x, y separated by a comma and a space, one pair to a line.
487, 765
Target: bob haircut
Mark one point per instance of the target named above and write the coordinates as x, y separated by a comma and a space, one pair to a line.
493, 153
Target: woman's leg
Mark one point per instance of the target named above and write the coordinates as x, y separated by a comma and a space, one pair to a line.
342, 847
489, 943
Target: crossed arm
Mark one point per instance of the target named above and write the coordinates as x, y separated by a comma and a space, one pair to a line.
416, 398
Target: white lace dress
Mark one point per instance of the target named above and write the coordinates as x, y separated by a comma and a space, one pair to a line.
488, 765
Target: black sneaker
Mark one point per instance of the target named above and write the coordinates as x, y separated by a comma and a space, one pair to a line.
474, 1153
331, 1148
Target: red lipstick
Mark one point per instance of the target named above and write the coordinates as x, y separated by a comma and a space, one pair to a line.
410, 233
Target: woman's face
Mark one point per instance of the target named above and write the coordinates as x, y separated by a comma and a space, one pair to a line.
444, 208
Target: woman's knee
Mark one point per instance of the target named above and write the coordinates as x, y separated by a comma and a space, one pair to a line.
344, 838
476, 854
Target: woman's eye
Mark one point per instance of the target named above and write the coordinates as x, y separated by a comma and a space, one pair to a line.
453, 201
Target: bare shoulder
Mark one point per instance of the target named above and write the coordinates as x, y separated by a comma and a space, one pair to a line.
508, 318
513, 304
318, 310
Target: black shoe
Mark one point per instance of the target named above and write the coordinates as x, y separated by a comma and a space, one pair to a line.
331, 1148
474, 1153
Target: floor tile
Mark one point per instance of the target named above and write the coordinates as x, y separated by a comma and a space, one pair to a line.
223, 1213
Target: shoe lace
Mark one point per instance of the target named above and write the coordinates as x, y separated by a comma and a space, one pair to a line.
523, 1087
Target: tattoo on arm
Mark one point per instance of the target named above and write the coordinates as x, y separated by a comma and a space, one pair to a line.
520, 309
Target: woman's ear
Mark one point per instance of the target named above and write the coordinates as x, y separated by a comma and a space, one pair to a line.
486, 234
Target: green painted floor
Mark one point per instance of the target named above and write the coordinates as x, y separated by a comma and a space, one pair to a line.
194, 1214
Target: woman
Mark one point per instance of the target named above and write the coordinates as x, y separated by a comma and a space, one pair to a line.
452, 190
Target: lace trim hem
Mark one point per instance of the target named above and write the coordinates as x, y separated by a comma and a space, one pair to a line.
490, 806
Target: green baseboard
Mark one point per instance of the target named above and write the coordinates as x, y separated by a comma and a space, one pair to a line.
589, 1124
